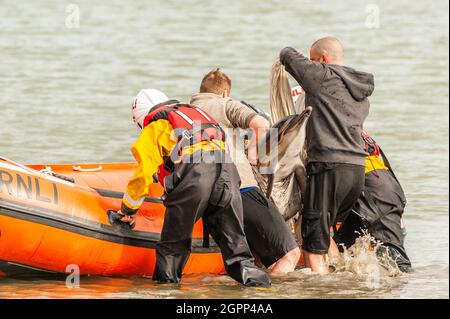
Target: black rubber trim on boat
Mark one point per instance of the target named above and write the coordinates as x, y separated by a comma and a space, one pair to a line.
114, 194
22, 271
89, 228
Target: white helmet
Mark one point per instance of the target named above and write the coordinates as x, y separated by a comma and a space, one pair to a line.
143, 102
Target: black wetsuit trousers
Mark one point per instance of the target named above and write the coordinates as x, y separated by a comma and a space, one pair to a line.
211, 191
379, 210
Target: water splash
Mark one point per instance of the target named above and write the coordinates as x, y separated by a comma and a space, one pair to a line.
367, 259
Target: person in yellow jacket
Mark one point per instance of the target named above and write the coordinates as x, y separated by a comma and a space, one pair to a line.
379, 209
199, 181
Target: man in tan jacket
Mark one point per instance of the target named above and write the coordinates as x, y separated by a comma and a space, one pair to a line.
268, 235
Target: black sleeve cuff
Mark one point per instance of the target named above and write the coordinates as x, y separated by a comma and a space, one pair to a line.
128, 211
284, 54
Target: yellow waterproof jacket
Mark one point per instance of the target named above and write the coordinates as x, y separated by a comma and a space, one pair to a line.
374, 162
156, 141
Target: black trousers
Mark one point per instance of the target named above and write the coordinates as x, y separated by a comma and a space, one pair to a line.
330, 195
267, 233
379, 211
210, 191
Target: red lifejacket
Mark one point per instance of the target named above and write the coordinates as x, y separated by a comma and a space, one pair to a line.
191, 125
370, 145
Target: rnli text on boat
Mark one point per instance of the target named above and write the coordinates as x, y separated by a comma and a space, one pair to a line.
25, 186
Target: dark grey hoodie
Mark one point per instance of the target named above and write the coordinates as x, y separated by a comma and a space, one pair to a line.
339, 98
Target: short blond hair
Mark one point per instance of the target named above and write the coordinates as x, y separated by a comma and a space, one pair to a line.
215, 82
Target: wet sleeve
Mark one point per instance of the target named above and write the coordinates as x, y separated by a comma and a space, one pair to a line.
239, 114
307, 73
154, 143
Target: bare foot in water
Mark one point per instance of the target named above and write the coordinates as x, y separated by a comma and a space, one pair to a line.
286, 264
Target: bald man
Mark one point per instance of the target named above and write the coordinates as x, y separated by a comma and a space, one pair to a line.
339, 97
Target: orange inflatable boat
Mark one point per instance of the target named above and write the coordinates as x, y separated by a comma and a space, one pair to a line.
54, 216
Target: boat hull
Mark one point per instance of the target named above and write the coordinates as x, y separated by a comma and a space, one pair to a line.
55, 226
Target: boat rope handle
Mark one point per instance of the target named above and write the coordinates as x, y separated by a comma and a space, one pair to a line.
80, 169
47, 171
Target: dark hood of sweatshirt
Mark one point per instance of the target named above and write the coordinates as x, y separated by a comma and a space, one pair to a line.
359, 84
